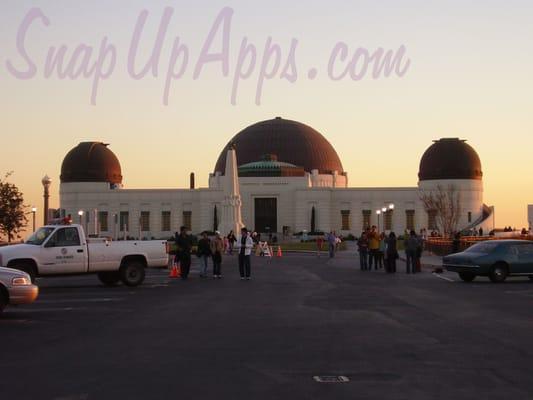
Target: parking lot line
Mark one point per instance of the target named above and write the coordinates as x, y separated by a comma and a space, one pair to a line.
443, 277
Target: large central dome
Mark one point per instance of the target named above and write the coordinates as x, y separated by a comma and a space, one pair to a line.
291, 141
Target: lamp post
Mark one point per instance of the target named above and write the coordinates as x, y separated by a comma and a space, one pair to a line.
33, 212
46, 181
378, 212
384, 212
80, 214
391, 209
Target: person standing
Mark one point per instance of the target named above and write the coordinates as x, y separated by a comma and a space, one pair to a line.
204, 252
411, 249
231, 241
373, 246
183, 251
319, 244
332, 242
392, 253
362, 246
217, 248
244, 245
381, 250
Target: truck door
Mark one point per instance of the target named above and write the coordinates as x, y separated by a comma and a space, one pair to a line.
63, 253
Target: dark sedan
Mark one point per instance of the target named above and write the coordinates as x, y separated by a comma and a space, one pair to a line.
496, 259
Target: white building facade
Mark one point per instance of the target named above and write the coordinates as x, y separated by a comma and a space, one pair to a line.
289, 180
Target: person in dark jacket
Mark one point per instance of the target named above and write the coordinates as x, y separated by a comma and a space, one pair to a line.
411, 250
204, 252
362, 246
392, 253
183, 251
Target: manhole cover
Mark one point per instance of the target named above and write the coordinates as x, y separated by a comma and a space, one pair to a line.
330, 379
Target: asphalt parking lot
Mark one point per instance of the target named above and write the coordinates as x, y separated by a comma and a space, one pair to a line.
392, 337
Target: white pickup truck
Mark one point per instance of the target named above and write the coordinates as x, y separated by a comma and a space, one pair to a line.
64, 250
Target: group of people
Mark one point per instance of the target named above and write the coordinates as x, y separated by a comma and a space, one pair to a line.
213, 249
379, 250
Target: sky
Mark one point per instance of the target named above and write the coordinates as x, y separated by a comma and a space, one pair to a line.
469, 76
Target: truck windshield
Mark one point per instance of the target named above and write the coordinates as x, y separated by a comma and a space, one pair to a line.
40, 236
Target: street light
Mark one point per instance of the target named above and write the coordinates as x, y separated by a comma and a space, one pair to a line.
378, 212
33, 212
80, 214
46, 181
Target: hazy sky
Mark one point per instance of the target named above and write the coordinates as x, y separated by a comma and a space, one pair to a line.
469, 77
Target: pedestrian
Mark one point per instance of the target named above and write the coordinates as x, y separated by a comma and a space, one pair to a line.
319, 244
244, 245
231, 241
392, 253
362, 247
373, 248
411, 248
381, 250
332, 242
217, 248
204, 252
456, 243
183, 251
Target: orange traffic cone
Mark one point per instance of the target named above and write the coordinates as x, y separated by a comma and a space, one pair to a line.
279, 252
173, 272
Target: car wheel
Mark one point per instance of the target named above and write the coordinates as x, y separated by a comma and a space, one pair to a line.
498, 273
132, 273
467, 276
28, 268
4, 300
109, 278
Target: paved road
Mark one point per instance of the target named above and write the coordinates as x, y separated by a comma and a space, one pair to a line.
394, 337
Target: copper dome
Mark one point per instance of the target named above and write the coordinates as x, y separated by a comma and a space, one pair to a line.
293, 142
91, 162
450, 158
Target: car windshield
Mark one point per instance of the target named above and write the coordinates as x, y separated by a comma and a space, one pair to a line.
40, 236
483, 248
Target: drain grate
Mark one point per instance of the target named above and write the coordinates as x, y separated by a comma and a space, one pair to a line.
331, 379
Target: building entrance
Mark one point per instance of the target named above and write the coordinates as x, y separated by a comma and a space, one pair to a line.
266, 215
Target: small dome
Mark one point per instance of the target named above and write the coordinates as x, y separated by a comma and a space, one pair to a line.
450, 158
293, 142
91, 162
270, 166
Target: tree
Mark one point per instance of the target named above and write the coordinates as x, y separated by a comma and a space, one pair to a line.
445, 204
215, 219
12, 216
313, 220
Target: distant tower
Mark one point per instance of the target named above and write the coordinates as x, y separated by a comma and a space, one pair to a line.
231, 206
191, 180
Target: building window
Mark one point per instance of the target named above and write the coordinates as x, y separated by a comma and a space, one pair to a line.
410, 220
187, 219
432, 220
469, 216
145, 221
387, 224
366, 218
345, 216
165, 221
124, 220
102, 221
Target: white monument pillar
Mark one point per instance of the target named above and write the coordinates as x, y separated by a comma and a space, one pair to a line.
231, 219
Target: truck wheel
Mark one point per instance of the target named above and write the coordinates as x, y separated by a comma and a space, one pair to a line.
132, 273
3, 298
498, 273
109, 278
28, 268
467, 276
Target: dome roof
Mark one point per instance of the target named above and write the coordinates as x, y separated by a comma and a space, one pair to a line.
270, 166
450, 158
91, 162
293, 142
